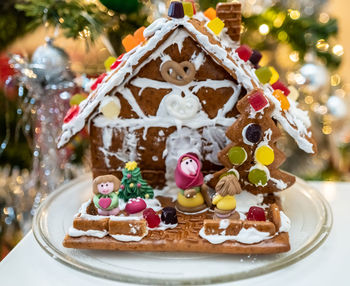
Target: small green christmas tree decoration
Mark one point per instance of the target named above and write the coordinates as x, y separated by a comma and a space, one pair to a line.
132, 185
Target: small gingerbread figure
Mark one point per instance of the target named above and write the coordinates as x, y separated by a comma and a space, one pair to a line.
225, 202
105, 195
189, 178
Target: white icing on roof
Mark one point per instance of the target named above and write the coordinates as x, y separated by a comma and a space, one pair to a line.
294, 121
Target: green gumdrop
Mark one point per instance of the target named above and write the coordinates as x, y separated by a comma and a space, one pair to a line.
226, 174
76, 99
237, 155
264, 74
257, 177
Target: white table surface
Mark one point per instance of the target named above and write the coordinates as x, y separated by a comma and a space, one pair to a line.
28, 264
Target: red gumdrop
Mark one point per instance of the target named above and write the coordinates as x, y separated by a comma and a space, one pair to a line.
117, 62
244, 52
71, 113
281, 86
256, 213
98, 81
257, 100
152, 218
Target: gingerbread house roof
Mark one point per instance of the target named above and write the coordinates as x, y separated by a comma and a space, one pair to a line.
220, 48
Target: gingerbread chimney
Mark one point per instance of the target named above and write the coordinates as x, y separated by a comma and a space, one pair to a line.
230, 13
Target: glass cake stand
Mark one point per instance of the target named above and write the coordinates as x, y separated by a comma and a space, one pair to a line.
309, 212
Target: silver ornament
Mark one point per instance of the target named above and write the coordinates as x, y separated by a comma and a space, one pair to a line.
316, 77
337, 106
50, 63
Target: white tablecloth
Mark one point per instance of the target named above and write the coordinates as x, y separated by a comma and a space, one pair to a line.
28, 264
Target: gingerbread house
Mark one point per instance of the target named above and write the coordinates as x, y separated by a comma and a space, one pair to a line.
176, 92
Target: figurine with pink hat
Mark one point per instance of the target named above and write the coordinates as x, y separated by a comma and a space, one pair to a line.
193, 195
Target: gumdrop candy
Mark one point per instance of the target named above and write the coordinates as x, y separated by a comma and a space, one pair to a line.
255, 57
257, 100
264, 74
216, 26
76, 99
188, 8
138, 35
282, 99
108, 62
117, 62
256, 213
168, 215
253, 133
274, 75
264, 155
151, 217
98, 81
193, 5
176, 10
71, 113
244, 52
280, 85
210, 13
135, 206
129, 42
257, 177
110, 109
237, 155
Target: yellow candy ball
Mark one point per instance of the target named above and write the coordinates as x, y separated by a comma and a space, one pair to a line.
264, 155
131, 185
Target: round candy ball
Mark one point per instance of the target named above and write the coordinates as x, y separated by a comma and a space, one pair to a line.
257, 177
169, 215
237, 155
264, 155
253, 133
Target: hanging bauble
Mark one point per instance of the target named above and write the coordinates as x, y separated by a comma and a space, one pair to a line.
316, 77
50, 63
337, 106
122, 6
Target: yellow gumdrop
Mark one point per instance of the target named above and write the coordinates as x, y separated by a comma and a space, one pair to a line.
111, 108
264, 155
275, 76
282, 99
216, 25
108, 62
228, 203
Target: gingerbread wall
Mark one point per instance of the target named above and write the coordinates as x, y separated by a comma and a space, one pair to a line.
151, 146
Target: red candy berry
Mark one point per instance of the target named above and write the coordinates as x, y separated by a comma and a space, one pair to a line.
244, 52
257, 100
280, 85
135, 206
71, 113
117, 62
151, 217
256, 213
98, 81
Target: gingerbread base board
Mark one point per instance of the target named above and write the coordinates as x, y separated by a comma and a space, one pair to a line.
184, 238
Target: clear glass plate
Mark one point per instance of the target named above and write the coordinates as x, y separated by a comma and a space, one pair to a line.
309, 212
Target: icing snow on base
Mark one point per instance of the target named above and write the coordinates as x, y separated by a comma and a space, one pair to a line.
126, 238
247, 236
245, 200
163, 226
73, 232
285, 223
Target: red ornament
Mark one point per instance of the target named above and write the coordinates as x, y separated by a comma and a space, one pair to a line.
128, 176
151, 217
117, 62
281, 86
256, 213
98, 81
135, 206
244, 52
257, 100
71, 113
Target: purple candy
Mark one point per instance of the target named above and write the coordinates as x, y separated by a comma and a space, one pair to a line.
176, 10
253, 133
169, 215
255, 57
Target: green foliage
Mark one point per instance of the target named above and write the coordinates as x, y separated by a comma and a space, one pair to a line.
131, 189
75, 18
301, 34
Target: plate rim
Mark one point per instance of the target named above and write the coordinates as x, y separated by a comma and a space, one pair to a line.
311, 245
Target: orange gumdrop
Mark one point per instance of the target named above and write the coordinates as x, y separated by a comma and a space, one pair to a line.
138, 35
129, 42
282, 99
210, 13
